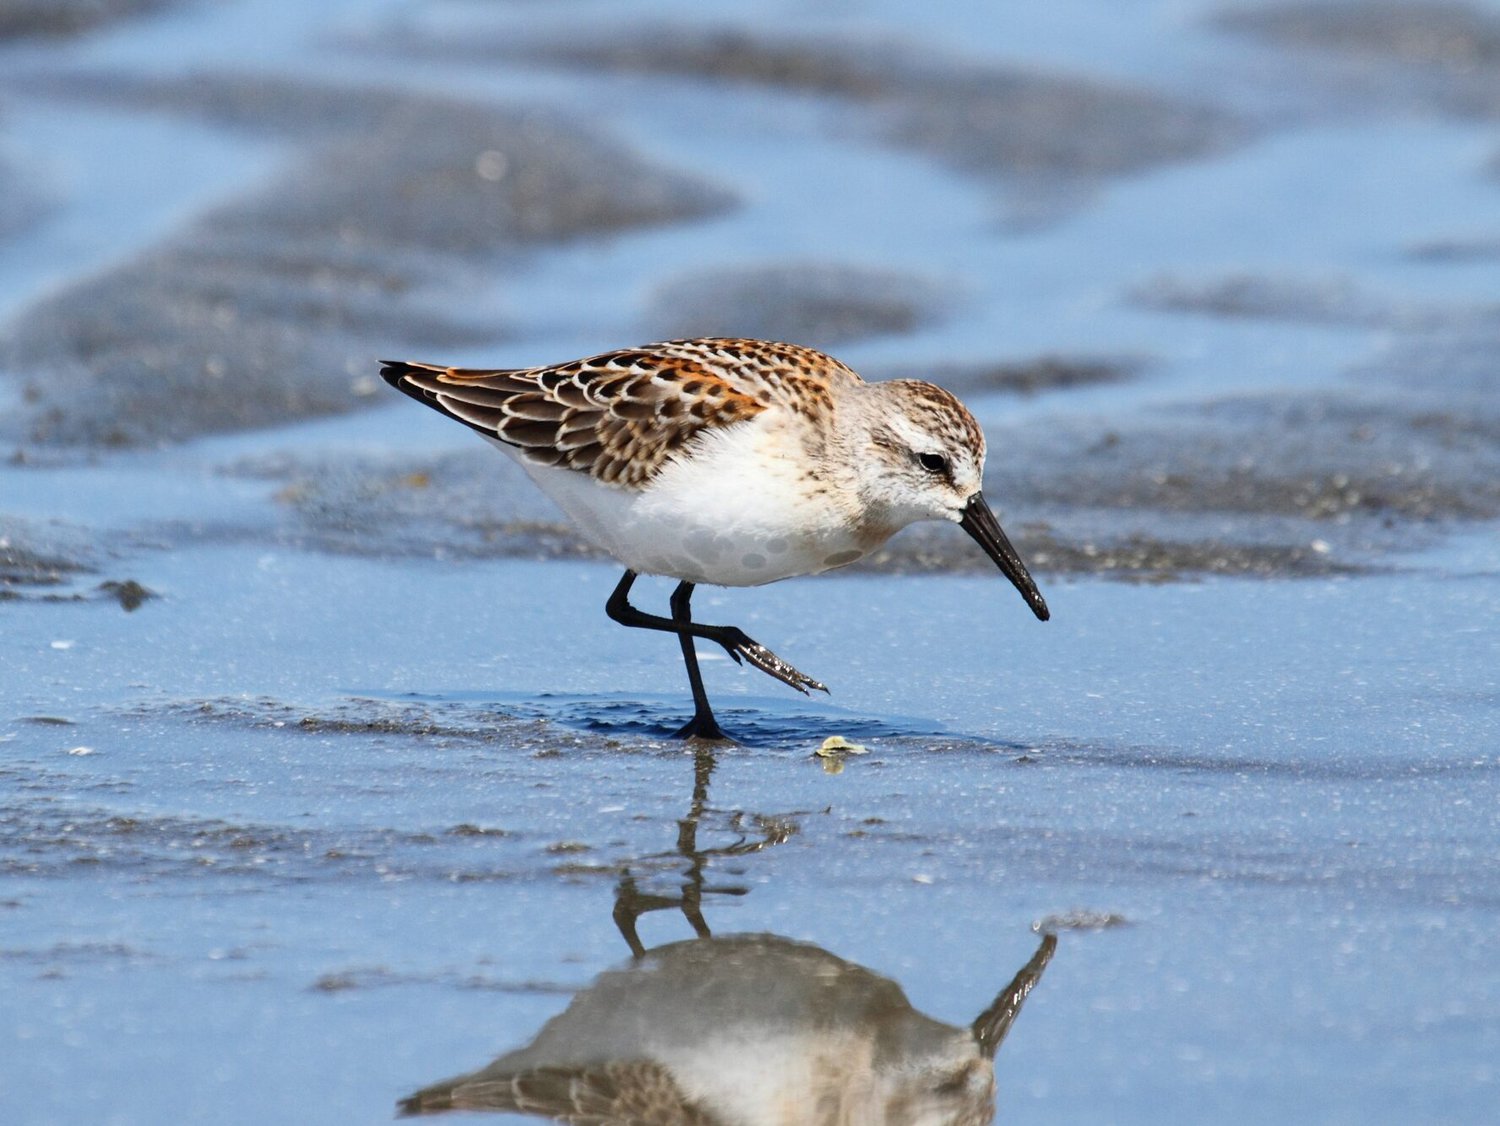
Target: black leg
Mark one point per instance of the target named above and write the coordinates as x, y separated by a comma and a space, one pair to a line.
735, 641
702, 725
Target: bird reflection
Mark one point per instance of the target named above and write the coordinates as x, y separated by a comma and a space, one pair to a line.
740, 1030
752, 832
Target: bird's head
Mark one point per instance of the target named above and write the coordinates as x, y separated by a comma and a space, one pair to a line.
928, 464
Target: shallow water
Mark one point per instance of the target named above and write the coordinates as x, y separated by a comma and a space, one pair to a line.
367, 789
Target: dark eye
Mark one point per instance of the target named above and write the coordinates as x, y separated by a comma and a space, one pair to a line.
934, 463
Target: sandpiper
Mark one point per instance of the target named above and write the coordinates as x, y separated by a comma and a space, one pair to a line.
729, 462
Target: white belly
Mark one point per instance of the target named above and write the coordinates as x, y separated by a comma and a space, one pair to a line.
734, 514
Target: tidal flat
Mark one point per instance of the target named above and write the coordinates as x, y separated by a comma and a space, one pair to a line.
324, 778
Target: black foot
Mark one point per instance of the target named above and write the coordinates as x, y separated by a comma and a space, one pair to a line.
702, 727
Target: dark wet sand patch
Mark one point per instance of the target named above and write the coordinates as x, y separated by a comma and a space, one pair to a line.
57, 563
1134, 555
60, 18
1321, 458
1027, 376
1393, 53
128, 594
276, 307
470, 179
62, 954
1281, 763
536, 729
1458, 249
46, 560
1028, 132
1455, 36
357, 716
1415, 441
379, 977
815, 304
476, 504
144, 354
1080, 920
23, 566
1142, 558
41, 839
1464, 364
1337, 301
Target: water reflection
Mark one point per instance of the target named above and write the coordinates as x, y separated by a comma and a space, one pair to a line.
741, 1029
751, 833
746, 1029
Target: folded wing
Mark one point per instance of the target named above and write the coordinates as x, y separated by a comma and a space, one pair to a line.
617, 417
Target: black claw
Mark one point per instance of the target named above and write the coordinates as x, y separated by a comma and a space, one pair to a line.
772, 665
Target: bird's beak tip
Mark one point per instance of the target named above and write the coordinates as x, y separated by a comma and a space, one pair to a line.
980, 523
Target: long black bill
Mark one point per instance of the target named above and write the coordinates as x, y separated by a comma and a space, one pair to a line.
991, 1026
980, 523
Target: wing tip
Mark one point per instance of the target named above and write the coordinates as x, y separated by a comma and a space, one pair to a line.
423, 383
394, 371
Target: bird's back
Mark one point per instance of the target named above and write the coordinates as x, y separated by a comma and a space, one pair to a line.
620, 416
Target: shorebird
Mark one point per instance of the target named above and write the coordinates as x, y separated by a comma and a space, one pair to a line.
747, 1029
728, 462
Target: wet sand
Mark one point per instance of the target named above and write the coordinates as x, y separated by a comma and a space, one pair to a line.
21, 19
266, 310
1039, 138
323, 776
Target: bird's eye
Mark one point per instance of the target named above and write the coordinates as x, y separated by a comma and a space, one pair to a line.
934, 463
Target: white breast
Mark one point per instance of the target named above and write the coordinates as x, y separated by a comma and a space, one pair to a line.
737, 509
